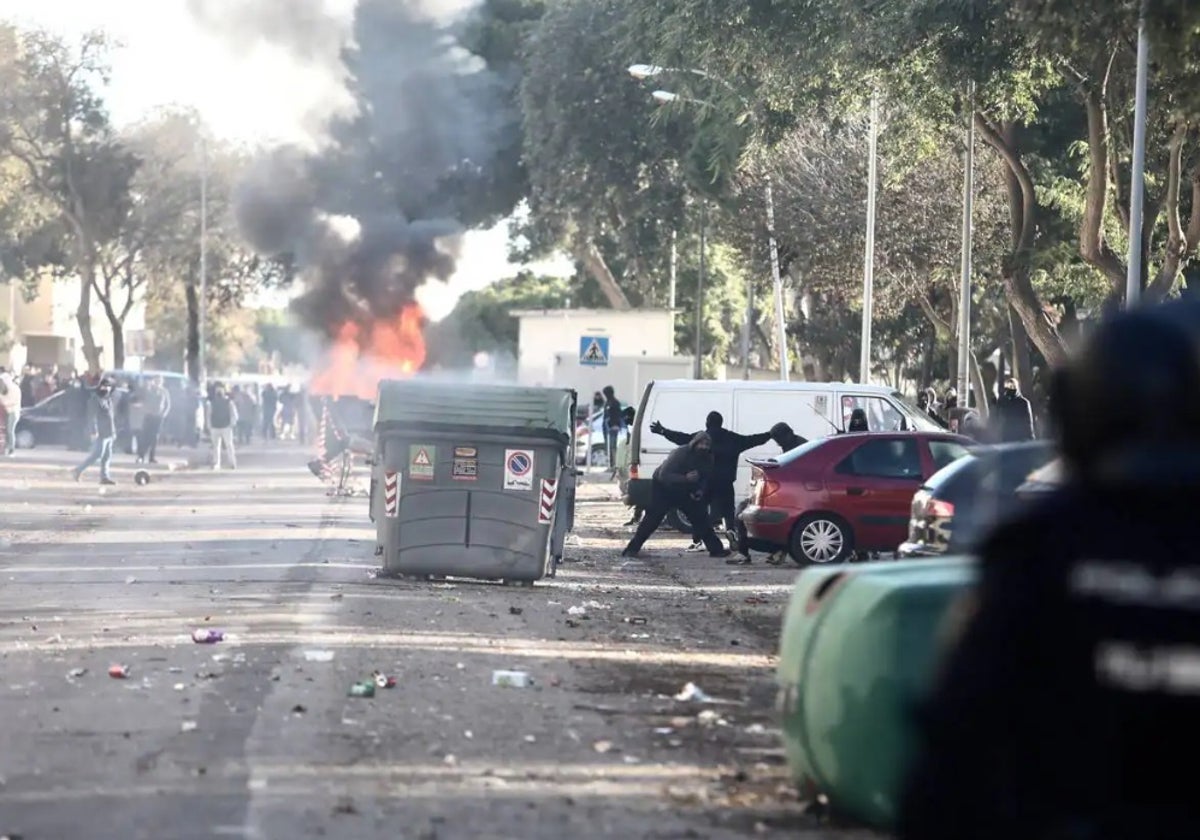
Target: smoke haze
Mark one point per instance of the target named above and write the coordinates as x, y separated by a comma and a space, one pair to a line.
413, 123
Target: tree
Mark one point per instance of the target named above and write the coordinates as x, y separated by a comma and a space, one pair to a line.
605, 182
53, 122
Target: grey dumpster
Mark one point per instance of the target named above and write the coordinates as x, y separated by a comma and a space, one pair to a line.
473, 481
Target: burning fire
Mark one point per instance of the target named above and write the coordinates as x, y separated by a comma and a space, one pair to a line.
362, 356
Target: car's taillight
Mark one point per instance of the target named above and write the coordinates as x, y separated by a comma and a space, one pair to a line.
767, 489
633, 470
939, 509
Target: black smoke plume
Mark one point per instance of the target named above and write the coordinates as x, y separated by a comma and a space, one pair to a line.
377, 210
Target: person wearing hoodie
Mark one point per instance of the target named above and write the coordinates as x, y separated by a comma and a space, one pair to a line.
105, 429
679, 482
786, 439
727, 448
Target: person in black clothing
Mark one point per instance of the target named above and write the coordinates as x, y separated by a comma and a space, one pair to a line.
1068, 706
105, 429
679, 482
727, 446
1012, 414
614, 421
270, 404
858, 421
787, 440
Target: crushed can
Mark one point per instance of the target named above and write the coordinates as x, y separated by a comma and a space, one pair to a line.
510, 679
141, 478
362, 689
384, 681
118, 672
202, 636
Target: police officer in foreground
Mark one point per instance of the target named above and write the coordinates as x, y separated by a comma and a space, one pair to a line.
1070, 706
681, 482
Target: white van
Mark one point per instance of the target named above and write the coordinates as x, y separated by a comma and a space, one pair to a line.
812, 409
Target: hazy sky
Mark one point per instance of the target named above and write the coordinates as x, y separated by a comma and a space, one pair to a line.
257, 96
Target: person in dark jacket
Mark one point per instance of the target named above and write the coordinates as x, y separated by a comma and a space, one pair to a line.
222, 418
270, 404
858, 421
614, 422
787, 440
1068, 706
1012, 415
727, 448
679, 482
105, 431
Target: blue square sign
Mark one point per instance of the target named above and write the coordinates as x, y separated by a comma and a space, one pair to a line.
593, 350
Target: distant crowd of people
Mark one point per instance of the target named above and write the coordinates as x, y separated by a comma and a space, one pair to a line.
1010, 416
134, 413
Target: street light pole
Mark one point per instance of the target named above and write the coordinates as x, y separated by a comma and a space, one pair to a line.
964, 292
202, 304
1137, 191
864, 371
698, 371
778, 284
671, 297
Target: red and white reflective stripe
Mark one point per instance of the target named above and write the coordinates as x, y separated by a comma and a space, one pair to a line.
546, 500
391, 494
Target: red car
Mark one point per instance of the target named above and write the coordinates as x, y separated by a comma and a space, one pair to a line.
832, 497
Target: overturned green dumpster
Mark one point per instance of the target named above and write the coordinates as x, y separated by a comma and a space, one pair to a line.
473, 480
859, 647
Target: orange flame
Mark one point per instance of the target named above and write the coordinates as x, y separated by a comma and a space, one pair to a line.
361, 357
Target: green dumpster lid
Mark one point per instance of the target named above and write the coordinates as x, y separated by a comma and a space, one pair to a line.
412, 401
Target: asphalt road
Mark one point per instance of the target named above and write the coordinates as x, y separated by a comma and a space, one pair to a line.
257, 737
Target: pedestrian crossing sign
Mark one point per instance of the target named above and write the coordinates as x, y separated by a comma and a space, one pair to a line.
593, 350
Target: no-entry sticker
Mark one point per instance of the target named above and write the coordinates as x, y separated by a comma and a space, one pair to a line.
518, 469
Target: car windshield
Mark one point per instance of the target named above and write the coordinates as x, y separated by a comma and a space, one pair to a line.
917, 419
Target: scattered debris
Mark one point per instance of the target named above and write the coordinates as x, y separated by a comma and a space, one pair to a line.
756, 729
318, 656
515, 610
298, 709
344, 805
635, 619
664, 730
76, 673
530, 739
207, 637
130, 579
510, 679
118, 672
692, 693
710, 718
572, 622
179, 686
336, 596
577, 611
602, 746
188, 726
383, 680
756, 599
363, 688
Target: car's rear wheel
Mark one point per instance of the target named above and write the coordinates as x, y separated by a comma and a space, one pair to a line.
678, 520
820, 539
25, 439
600, 455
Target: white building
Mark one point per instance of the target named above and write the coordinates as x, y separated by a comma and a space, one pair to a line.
44, 332
586, 349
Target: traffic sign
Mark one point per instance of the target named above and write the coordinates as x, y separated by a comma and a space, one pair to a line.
593, 350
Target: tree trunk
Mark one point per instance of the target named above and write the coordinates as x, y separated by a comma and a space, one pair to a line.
1020, 344
192, 352
1022, 207
118, 334
593, 262
83, 316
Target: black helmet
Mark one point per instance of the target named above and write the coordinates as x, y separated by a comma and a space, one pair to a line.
1133, 394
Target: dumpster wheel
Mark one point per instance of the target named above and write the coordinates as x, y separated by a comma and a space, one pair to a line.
523, 583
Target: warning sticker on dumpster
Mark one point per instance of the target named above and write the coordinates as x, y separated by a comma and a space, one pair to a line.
518, 469
466, 464
420, 462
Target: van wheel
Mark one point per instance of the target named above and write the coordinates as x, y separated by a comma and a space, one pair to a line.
679, 521
821, 539
25, 439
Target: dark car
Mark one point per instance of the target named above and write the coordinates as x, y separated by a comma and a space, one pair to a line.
954, 508
837, 496
46, 424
